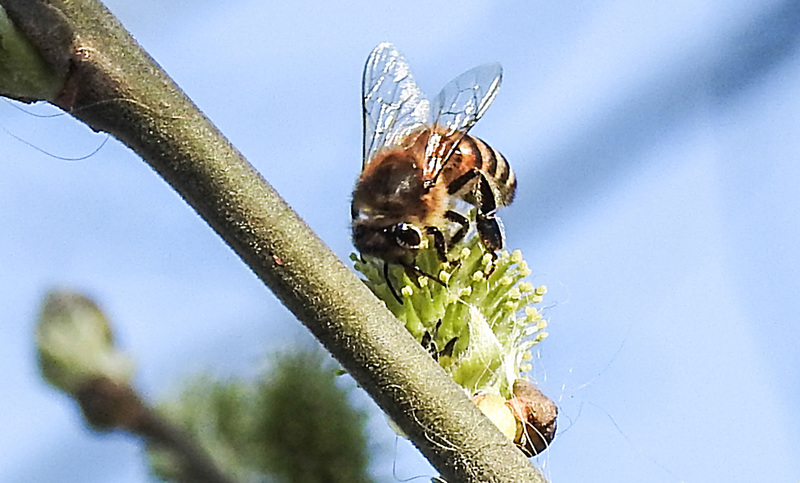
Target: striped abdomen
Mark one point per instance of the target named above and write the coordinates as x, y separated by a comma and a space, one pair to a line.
474, 153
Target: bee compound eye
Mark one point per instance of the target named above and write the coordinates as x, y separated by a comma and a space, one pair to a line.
407, 235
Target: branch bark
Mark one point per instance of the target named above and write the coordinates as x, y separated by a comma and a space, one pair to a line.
114, 86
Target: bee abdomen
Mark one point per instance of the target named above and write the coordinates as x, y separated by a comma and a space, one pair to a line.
494, 165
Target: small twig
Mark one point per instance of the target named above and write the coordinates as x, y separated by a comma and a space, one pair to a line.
107, 405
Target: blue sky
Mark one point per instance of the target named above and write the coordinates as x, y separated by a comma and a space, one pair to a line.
655, 144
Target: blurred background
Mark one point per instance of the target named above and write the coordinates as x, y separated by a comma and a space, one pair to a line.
656, 148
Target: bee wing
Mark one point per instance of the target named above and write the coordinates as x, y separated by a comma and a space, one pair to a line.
392, 104
458, 107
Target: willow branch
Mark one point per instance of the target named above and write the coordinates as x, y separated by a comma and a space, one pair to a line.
112, 85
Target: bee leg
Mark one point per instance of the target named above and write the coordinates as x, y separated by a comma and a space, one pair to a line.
438, 242
429, 345
487, 224
482, 196
462, 220
427, 338
490, 231
389, 283
448, 348
458, 184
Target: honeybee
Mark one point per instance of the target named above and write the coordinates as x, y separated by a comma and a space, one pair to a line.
417, 158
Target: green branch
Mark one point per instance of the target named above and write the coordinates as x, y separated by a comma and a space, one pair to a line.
112, 85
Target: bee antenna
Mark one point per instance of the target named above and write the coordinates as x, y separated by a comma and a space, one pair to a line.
411, 270
416, 270
389, 283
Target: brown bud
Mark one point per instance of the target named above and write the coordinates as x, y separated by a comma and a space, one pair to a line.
537, 413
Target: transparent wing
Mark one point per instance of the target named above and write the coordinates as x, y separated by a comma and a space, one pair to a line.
458, 107
392, 104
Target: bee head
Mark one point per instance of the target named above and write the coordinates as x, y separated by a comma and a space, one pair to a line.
392, 243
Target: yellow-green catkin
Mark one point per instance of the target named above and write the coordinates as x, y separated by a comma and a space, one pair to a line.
483, 302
